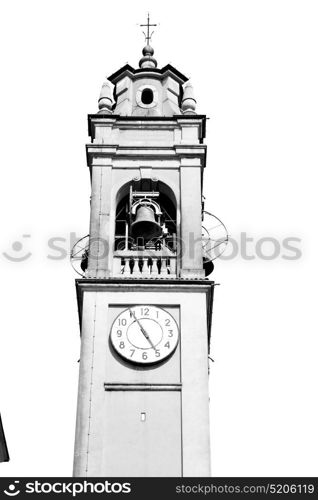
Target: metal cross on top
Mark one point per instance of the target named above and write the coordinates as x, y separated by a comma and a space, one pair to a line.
148, 25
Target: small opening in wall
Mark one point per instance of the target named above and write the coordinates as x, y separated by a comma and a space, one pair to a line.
147, 96
143, 416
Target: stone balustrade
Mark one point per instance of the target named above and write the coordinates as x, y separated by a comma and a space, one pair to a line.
141, 264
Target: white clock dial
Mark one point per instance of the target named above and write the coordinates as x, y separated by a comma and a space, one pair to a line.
144, 334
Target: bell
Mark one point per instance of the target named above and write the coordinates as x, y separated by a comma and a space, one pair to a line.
208, 266
145, 225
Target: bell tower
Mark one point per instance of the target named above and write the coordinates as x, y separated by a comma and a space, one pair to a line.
144, 302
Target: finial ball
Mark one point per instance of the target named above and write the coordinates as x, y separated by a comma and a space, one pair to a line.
148, 51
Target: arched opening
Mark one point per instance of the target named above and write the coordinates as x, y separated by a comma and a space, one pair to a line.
147, 96
144, 204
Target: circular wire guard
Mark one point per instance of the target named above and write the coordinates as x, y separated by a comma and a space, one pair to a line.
78, 253
214, 237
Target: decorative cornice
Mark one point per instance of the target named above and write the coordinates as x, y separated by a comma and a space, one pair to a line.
115, 151
133, 73
135, 121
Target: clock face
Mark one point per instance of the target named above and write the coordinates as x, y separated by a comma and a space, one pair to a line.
144, 334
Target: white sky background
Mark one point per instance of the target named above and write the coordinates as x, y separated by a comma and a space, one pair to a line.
253, 65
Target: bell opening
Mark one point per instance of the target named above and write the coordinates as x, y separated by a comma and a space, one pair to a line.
146, 227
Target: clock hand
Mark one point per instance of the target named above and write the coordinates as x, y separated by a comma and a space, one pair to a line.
143, 331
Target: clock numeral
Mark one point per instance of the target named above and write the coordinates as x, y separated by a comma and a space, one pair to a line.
132, 352
144, 355
167, 322
170, 333
157, 353
122, 322
122, 345
144, 311
119, 333
167, 345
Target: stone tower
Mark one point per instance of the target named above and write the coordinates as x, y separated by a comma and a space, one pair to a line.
145, 302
